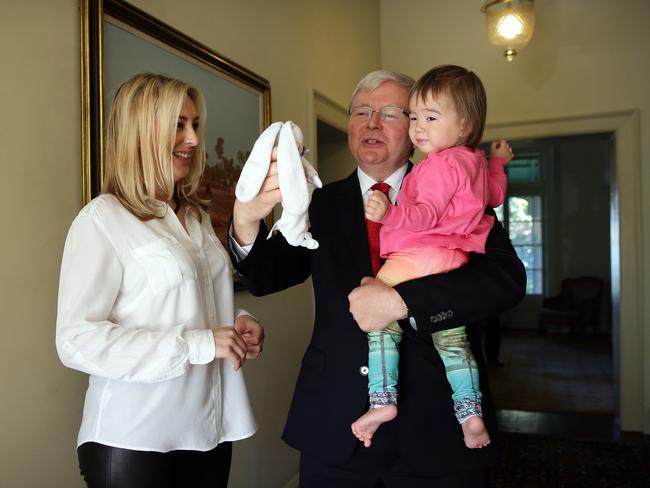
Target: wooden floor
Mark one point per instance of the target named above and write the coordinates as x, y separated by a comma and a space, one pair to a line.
582, 426
554, 373
556, 385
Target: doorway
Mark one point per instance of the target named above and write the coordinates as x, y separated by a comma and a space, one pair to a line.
557, 213
328, 135
334, 159
625, 254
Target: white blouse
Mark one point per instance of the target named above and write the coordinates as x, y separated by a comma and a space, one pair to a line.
136, 302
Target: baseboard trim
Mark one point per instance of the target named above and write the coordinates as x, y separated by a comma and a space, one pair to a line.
292, 483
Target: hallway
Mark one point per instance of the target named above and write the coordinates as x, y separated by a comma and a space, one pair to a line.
554, 373
556, 415
556, 385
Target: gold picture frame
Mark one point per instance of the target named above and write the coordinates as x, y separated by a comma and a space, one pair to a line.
238, 100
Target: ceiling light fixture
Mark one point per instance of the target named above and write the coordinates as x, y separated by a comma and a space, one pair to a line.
510, 24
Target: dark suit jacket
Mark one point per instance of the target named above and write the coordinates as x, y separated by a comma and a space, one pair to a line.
331, 392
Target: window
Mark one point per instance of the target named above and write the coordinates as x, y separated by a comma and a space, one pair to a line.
522, 217
524, 171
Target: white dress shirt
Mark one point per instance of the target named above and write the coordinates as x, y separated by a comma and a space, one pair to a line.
394, 181
136, 302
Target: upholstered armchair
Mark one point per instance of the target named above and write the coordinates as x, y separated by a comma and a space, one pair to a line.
577, 306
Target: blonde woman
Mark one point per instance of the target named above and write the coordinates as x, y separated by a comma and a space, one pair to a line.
146, 305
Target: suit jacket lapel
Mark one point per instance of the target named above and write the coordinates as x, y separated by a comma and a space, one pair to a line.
354, 239
349, 215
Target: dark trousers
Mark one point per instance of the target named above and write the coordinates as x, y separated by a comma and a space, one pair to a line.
111, 467
493, 339
360, 473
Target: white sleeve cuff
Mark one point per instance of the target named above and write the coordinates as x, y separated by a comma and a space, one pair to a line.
200, 346
240, 252
241, 311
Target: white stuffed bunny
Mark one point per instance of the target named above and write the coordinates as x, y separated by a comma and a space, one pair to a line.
297, 180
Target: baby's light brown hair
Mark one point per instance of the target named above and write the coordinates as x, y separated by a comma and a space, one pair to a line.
464, 88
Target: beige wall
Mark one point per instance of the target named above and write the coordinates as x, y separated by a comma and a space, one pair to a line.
298, 46
586, 57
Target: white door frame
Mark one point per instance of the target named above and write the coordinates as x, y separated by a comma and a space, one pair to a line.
323, 108
627, 260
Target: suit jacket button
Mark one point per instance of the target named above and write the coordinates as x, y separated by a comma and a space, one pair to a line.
363, 370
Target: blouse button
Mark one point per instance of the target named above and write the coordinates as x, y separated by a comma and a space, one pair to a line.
363, 370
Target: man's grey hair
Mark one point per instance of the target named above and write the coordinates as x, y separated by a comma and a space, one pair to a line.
375, 78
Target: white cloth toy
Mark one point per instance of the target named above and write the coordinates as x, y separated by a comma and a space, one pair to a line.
297, 180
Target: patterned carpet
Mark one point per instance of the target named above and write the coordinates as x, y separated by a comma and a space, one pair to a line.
536, 461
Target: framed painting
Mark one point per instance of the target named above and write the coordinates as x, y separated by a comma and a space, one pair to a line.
118, 40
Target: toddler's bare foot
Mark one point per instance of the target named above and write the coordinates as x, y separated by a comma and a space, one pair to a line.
476, 435
366, 425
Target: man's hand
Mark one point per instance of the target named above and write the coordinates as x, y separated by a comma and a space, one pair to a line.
374, 305
377, 206
253, 334
246, 216
230, 344
501, 149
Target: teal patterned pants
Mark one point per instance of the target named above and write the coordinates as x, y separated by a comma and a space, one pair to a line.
453, 347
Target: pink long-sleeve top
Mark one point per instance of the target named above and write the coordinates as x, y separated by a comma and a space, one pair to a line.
442, 202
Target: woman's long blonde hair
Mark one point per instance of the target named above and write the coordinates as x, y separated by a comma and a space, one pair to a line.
140, 140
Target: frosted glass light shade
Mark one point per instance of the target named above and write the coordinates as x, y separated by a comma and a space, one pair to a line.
510, 24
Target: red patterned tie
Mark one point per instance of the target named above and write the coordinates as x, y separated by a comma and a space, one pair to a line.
373, 233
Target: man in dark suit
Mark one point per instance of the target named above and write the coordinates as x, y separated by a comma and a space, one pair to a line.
423, 446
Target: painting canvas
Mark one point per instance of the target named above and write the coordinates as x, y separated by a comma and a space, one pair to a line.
238, 101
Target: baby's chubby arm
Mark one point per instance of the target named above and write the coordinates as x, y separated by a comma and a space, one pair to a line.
500, 155
501, 149
377, 206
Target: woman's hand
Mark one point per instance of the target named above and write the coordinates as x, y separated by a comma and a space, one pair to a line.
230, 344
253, 334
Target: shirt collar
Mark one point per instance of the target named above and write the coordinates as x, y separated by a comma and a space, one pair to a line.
394, 180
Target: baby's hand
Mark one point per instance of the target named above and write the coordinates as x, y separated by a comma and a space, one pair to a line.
377, 206
501, 149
